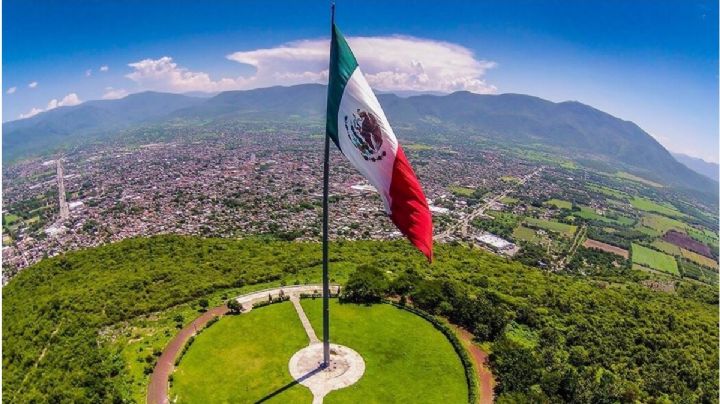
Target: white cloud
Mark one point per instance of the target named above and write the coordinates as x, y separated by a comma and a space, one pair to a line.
33, 84
394, 63
32, 112
104, 68
67, 101
88, 72
114, 93
164, 74
11, 90
390, 63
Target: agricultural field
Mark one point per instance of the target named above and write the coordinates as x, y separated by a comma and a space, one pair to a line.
666, 247
661, 224
647, 205
589, 243
567, 230
698, 259
632, 177
654, 259
613, 193
589, 213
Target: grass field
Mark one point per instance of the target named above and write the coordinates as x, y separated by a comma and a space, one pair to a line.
461, 191
567, 230
654, 259
559, 203
243, 359
523, 233
647, 205
509, 200
406, 359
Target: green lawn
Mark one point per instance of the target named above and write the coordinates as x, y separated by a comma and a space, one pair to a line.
567, 230
559, 203
243, 359
589, 213
654, 259
406, 359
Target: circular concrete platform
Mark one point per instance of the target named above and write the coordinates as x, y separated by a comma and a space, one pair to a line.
346, 367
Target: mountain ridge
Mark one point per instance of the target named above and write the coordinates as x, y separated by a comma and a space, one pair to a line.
569, 126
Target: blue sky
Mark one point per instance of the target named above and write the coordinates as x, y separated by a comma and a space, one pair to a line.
652, 62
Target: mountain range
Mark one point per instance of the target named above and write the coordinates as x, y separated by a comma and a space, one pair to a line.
698, 165
570, 128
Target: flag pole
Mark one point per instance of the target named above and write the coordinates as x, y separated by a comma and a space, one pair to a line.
326, 283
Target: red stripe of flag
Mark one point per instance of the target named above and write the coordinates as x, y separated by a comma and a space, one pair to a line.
410, 211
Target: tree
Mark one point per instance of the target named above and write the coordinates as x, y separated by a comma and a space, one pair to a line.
366, 285
203, 303
234, 306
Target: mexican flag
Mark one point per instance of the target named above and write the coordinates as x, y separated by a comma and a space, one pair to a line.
359, 128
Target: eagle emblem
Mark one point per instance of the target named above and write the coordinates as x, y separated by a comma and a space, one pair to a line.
366, 134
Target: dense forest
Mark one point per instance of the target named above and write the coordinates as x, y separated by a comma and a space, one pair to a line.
603, 338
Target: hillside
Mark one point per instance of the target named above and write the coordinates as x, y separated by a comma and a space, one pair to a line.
700, 166
557, 336
569, 128
69, 125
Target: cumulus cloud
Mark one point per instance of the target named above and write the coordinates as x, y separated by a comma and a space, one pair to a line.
114, 93
164, 74
30, 113
104, 68
11, 90
392, 63
33, 84
67, 101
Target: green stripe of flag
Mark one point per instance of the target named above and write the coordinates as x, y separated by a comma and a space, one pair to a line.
342, 66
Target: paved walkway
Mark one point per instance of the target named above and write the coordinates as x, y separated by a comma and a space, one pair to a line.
295, 299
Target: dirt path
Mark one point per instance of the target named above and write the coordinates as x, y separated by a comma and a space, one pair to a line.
487, 381
158, 387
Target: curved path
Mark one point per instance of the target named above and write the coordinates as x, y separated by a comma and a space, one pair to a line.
480, 357
158, 387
